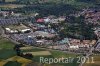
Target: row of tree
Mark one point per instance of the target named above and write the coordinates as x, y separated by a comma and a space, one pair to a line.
76, 27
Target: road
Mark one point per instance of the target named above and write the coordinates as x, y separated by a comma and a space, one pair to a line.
97, 47
90, 51
87, 55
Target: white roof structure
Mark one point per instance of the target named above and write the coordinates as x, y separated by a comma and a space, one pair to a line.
40, 41
8, 29
47, 20
25, 30
74, 47
43, 34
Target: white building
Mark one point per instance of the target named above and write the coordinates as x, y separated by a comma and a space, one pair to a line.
74, 47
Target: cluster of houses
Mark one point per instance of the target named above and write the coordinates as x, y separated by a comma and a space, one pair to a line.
42, 32
51, 19
76, 43
92, 16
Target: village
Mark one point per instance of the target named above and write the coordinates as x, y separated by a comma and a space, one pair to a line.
43, 32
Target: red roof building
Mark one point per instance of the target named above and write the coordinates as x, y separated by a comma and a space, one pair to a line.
40, 20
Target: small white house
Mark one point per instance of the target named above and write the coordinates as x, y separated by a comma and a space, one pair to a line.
8, 30
25, 30
74, 47
46, 20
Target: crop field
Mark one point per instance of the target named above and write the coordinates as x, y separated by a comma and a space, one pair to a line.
11, 6
19, 59
8, 55
39, 53
10, 0
96, 61
31, 49
5, 44
27, 48
16, 60
6, 49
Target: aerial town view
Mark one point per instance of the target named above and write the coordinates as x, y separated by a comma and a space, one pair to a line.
49, 32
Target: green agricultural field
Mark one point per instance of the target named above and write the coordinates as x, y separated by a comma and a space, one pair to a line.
54, 54
31, 49
6, 49
38, 53
6, 53
6, 44
59, 54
